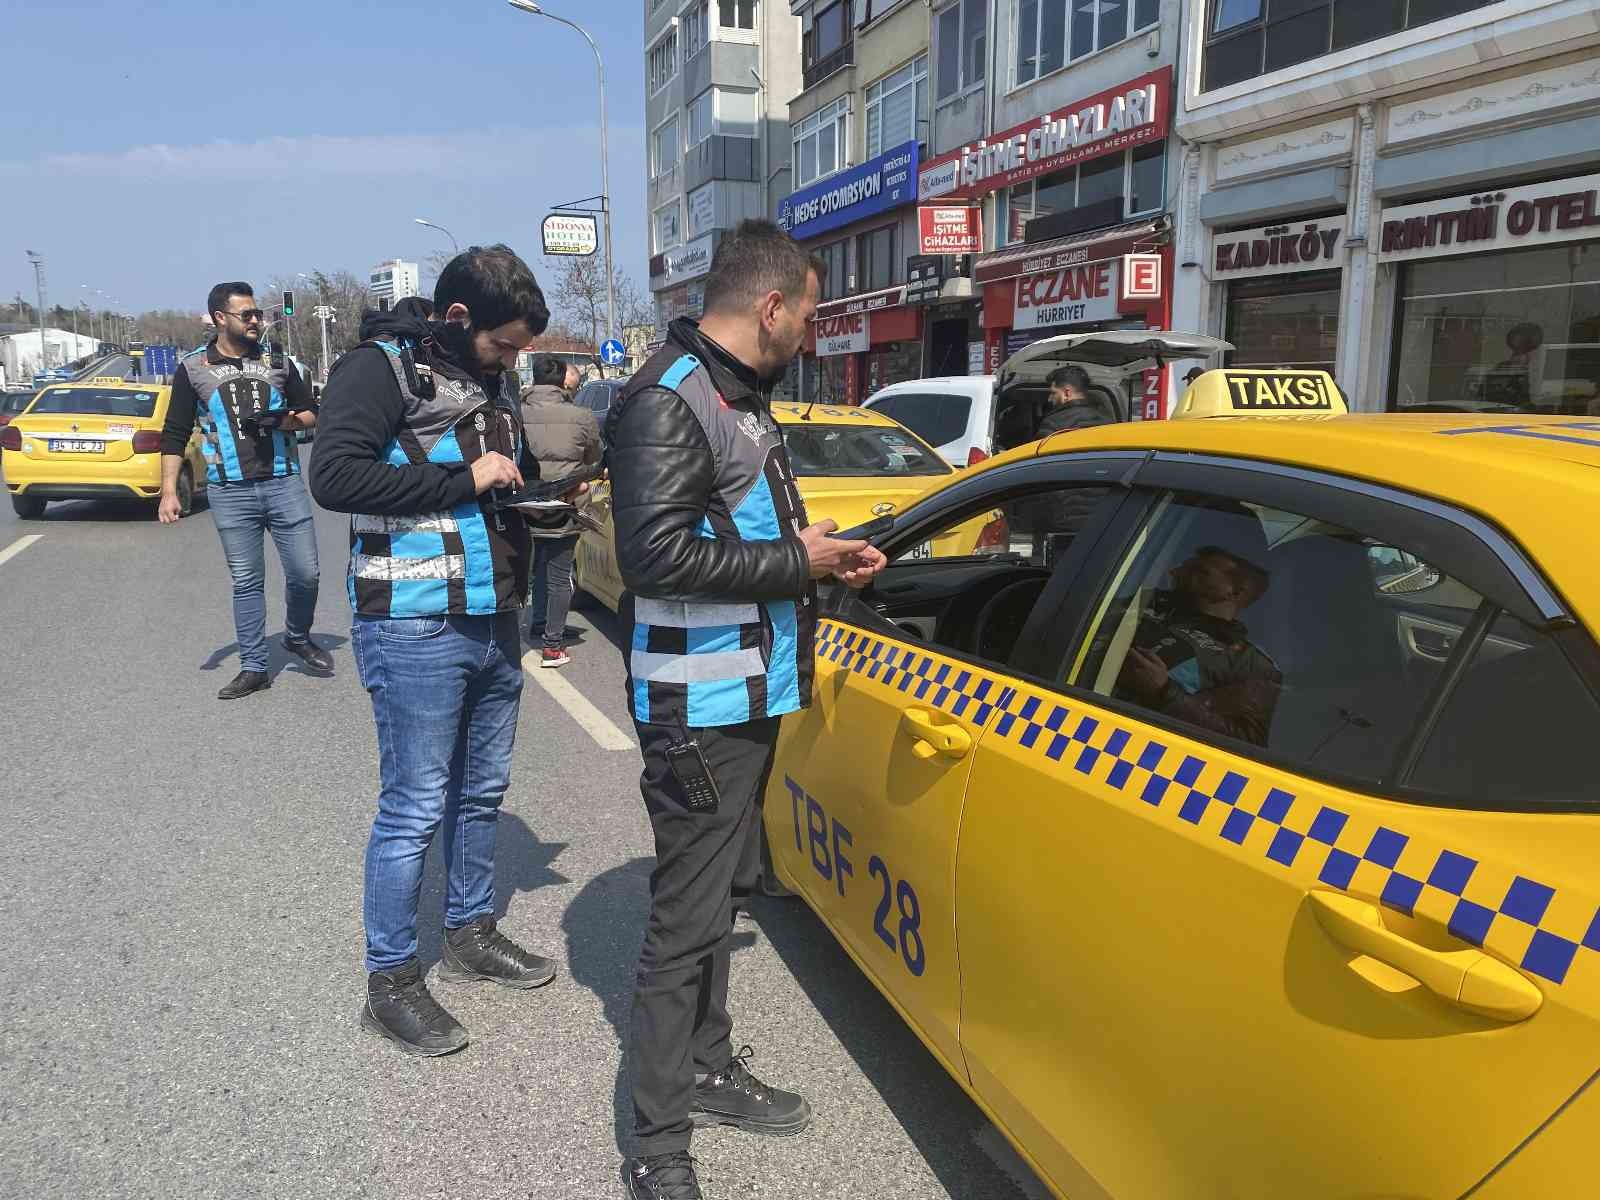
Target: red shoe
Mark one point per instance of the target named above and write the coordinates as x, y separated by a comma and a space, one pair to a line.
549, 657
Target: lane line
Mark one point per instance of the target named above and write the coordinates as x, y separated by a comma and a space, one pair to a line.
593, 722
18, 546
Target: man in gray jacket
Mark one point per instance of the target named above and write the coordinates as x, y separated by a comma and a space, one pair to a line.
564, 438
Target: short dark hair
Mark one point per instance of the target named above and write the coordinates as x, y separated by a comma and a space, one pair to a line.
217, 300
1250, 579
1065, 377
549, 369
756, 258
496, 286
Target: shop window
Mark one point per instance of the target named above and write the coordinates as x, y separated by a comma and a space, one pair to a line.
897, 107
961, 35
834, 279
1101, 179
736, 14
1253, 37
1137, 176
668, 232
663, 62
664, 149
695, 24
821, 142
1516, 331
1050, 33
1284, 321
875, 259
1147, 179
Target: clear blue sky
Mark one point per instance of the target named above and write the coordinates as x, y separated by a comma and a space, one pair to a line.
150, 150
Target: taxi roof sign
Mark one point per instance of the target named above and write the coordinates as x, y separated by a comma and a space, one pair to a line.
1233, 392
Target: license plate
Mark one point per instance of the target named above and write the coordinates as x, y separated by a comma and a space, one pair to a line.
925, 550
76, 446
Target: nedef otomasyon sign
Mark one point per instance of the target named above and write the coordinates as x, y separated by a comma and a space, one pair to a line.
570, 234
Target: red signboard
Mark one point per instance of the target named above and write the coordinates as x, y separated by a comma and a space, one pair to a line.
950, 230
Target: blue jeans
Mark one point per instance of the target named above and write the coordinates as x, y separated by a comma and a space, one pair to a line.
445, 693
243, 513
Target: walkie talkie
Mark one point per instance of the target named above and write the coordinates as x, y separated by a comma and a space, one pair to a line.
694, 776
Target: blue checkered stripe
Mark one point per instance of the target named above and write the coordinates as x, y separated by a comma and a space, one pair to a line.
1518, 918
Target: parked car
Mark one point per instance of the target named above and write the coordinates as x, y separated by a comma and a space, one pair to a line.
967, 418
12, 403
597, 395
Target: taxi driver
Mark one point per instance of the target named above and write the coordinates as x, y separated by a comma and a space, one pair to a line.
1191, 657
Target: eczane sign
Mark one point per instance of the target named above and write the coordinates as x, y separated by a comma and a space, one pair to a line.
845, 334
1070, 296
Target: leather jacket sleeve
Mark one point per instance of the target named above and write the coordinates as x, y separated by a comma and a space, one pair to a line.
663, 475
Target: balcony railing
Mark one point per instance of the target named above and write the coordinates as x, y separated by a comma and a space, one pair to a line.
844, 56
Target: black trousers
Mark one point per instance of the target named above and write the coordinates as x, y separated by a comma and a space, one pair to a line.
707, 865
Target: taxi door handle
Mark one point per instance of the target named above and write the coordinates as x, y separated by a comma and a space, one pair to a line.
1468, 979
933, 736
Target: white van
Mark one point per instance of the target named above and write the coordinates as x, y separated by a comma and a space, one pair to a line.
969, 417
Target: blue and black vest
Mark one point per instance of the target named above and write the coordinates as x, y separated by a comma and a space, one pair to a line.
468, 560
227, 396
716, 662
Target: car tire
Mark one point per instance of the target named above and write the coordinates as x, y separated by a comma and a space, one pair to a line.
185, 491
29, 508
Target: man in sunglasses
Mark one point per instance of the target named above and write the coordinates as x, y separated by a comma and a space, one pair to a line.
249, 406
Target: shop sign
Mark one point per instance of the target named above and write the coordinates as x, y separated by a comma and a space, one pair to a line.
686, 262
1067, 297
877, 185
950, 230
924, 278
866, 302
1562, 210
1141, 277
1117, 119
1277, 249
845, 334
975, 358
702, 210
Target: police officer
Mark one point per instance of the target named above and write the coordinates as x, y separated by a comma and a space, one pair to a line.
249, 405
421, 429
714, 547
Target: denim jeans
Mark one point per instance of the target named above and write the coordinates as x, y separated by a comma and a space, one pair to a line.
551, 594
243, 513
445, 693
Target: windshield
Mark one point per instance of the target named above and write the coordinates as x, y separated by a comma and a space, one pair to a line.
859, 450
95, 402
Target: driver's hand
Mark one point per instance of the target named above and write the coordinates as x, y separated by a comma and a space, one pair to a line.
864, 568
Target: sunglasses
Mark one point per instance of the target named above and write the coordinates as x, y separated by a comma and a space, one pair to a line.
247, 315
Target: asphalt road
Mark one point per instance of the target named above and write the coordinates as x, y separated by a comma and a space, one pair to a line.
181, 899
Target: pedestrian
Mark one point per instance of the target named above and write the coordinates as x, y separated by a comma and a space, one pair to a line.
249, 404
719, 561
564, 438
421, 436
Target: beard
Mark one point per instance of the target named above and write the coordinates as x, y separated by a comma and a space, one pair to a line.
457, 343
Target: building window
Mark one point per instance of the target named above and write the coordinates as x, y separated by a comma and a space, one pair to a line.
821, 142
695, 23
834, 278
1051, 33
875, 259
664, 149
868, 11
736, 113
827, 46
1247, 38
700, 118
961, 36
736, 14
1138, 177
897, 107
663, 62
668, 231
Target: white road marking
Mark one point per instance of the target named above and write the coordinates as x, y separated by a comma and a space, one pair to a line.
594, 722
18, 546
1000, 1152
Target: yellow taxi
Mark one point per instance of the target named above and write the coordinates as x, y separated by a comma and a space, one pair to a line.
96, 439
851, 465
1234, 833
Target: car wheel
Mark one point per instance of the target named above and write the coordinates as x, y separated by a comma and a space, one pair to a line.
185, 491
29, 508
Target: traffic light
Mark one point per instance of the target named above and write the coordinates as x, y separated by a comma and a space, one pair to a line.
288, 304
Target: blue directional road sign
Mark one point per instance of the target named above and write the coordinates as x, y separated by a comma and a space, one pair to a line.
612, 353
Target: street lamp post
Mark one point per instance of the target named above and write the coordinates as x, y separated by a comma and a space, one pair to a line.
528, 6
38, 283
454, 245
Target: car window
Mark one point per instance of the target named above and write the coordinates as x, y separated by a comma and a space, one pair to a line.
98, 402
887, 405
935, 417
858, 450
1282, 631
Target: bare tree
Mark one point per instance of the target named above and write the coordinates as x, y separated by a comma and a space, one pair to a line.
579, 292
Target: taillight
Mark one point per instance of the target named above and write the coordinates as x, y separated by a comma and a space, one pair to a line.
5, 419
976, 455
10, 438
147, 441
996, 535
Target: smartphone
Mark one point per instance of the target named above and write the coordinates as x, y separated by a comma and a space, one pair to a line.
690, 769
552, 489
874, 528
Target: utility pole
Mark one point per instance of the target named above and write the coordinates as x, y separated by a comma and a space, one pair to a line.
38, 282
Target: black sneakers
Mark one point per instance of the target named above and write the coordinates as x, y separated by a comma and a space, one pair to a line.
733, 1096
244, 683
661, 1177
480, 951
400, 1008
313, 655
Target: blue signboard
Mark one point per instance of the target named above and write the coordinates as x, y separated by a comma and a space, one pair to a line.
877, 185
612, 353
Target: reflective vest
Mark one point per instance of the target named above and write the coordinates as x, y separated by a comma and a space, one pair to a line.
229, 396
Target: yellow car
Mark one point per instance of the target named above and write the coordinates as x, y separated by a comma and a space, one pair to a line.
1238, 836
851, 465
99, 439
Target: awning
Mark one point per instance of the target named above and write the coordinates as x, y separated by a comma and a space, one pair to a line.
1015, 261
865, 302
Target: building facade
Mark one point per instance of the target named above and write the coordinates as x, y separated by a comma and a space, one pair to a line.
717, 75
1407, 196
393, 281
